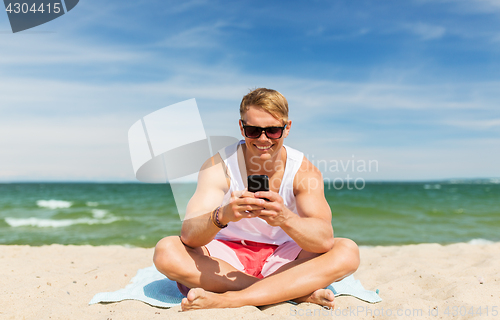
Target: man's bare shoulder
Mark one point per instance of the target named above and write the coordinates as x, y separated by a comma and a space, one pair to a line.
307, 177
212, 161
213, 173
211, 187
308, 169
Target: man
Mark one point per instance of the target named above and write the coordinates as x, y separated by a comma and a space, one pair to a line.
238, 249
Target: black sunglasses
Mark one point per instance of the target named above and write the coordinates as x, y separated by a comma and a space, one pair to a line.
253, 132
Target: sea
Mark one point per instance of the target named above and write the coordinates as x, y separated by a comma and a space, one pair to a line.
139, 215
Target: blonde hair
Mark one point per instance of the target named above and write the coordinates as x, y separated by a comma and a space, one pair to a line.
270, 100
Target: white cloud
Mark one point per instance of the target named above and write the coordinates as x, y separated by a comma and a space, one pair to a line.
468, 158
184, 6
52, 50
426, 31
469, 5
208, 36
330, 34
65, 148
474, 124
78, 131
480, 6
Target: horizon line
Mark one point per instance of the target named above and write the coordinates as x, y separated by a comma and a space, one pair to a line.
494, 180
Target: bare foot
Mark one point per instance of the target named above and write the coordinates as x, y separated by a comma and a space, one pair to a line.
198, 298
323, 297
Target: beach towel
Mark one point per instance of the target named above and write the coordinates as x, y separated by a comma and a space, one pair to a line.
153, 288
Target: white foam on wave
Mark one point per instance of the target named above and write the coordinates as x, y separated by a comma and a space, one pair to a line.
432, 186
53, 204
475, 181
92, 204
46, 223
99, 213
480, 242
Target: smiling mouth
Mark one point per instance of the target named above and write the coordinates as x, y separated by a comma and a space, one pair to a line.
263, 148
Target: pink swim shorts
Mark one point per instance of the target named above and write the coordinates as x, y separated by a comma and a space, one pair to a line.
253, 258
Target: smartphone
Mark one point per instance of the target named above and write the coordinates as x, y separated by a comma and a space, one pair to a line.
258, 183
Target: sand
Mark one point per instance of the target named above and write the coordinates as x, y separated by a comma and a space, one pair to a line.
425, 281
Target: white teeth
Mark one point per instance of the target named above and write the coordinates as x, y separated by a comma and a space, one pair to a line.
263, 148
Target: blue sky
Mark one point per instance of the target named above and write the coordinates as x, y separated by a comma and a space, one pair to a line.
413, 85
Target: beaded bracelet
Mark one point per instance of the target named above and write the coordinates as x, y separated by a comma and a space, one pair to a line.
215, 218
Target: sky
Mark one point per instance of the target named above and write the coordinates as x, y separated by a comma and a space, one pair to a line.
412, 86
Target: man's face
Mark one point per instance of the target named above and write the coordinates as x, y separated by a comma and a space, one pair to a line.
263, 148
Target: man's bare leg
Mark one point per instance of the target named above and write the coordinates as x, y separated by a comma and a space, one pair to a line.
323, 297
218, 276
342, 259
193, 267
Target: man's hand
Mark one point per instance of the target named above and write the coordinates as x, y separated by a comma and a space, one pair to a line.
275, 213
243, 204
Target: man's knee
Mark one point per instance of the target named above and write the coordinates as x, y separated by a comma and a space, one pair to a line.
166, 254
349, 254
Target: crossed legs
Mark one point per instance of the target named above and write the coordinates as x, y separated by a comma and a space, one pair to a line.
219, 285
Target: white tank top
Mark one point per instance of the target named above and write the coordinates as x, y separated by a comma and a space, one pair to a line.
257, 229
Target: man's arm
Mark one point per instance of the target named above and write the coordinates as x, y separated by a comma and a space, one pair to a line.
197, 227
311, 229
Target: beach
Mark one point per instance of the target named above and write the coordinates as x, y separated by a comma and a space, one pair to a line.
423, 281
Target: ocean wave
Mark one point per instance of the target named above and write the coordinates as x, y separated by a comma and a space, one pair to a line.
92, 204
480, 242
475, 181
432, 186
52, 223
54, 204
99, 213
